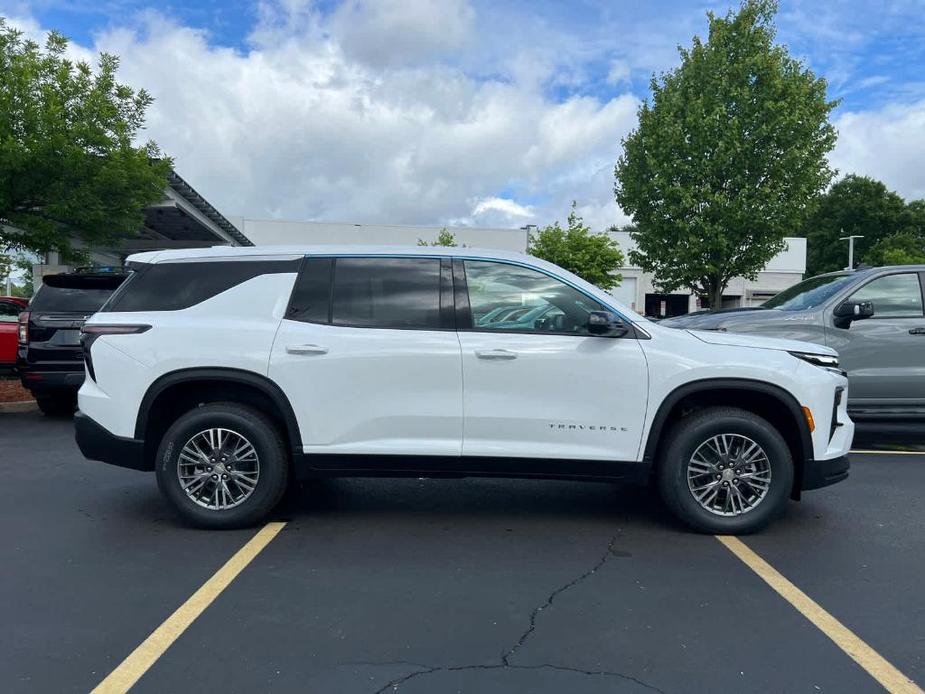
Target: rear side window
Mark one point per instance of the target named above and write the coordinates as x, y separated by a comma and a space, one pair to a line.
9, 312
175, 286
387, 293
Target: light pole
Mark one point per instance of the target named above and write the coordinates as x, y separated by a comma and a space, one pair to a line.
850, 240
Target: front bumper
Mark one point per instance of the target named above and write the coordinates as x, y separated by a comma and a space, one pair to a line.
97, 443
822, 473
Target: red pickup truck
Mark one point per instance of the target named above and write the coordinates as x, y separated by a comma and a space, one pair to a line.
10, 308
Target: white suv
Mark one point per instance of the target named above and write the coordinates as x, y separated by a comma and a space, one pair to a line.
229, 371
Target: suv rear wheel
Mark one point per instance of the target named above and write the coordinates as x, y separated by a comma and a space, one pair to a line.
725, 470
222, 465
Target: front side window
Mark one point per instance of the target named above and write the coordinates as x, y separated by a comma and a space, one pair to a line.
893, 296
401, 293
511, 298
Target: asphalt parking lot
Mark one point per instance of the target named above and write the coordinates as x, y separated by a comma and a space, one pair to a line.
449, 585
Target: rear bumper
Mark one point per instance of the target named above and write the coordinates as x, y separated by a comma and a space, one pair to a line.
98, 443
41, 381
822, 473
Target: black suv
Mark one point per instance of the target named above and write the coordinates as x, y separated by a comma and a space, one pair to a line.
49, 359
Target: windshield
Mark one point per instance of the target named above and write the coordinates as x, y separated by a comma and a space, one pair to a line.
808, 293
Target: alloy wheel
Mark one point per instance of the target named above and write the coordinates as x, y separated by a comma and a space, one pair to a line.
218, 469
729, 474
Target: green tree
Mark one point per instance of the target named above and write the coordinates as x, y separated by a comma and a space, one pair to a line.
68, 163
854, 205
593, 257
903, 248
444, 238
727, 156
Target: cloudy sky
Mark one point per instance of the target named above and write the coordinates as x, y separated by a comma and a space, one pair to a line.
480, 112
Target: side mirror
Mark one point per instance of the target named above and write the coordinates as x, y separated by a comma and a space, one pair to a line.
606, 324
849, 311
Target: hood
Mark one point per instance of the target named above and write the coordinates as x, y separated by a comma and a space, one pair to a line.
711, 320
739, 340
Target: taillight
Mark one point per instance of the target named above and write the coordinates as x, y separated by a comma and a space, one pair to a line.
24, 327
89, 333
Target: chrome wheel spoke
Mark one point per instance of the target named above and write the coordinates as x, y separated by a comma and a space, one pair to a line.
210, 461
729, 474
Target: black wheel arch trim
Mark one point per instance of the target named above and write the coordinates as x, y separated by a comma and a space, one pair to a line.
743, 384
227, 375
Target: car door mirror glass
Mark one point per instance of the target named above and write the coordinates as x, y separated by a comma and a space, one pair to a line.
606, 324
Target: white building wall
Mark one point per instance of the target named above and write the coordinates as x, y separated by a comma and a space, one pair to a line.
784, 270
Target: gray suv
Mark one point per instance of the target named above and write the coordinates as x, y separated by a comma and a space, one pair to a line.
873, 317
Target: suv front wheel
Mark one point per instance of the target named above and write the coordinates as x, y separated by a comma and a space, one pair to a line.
725, 470
222, 465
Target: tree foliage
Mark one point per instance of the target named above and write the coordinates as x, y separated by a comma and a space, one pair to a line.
593, 257
904, 248
444, 238
68, 163
858, 205
727, 157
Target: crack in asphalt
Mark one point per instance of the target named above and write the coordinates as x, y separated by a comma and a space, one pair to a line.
505, 661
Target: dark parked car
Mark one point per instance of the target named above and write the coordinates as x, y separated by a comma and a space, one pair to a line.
49, 358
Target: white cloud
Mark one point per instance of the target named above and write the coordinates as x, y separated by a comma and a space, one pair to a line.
887, 143
304, 124
619, 72
503, 205
392, 32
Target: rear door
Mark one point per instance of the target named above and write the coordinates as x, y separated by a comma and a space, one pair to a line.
885, 355
369, 357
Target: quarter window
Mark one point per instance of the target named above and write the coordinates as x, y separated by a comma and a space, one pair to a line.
893, 296
510, 298
311, 296
387, 293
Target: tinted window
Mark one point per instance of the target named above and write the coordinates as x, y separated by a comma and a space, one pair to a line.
82, 295
387, 293
892, 296
532, 301
9, 312
311, 296
809, 293
175, 286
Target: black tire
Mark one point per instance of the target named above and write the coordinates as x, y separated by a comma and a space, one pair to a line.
253, 426
60, 405
687, 435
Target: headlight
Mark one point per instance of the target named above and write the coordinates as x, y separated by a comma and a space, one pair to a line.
824, 361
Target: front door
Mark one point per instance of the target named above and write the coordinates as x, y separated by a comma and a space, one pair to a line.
885, 355
369, 359
535, 383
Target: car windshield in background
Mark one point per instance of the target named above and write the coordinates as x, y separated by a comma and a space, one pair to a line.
808, 293
74, 293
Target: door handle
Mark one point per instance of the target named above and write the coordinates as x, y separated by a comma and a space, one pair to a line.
917, 331
495, 354
306, 349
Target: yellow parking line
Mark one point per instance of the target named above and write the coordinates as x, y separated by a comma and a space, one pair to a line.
142, 658
861, 450
876, 665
